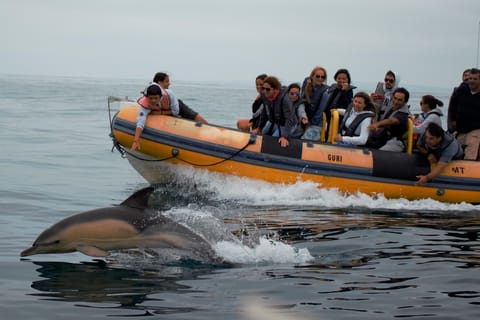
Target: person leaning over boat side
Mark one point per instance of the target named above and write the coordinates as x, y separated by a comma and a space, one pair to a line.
298, 104
465, 115
151, 102
340, 94
440, 148
163, 80
387, 134
315, 96
465, 76
281, 119
430, 113
254, 124
382, 97
354, 127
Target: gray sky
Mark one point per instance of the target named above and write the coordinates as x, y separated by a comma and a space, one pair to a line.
428, 42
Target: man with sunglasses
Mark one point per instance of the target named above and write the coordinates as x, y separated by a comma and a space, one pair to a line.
382, 97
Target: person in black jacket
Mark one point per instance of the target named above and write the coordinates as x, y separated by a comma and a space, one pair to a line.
464, 112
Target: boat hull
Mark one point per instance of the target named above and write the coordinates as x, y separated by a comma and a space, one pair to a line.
182, 142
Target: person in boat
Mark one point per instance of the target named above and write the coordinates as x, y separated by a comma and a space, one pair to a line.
163, 80
431, 112
298, 103
281, 118
315, 96
465, 76
340, 94
440, 148
153, 101
387, 134
255, 124
465, 115
382, 97
354, 127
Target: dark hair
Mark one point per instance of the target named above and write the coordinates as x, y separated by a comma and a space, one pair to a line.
345, 71
273, 82
474, 71
261, 76
431, 101
435, 130
391, 74
293, 85
153, 90
159, 77
369, 106
404, 91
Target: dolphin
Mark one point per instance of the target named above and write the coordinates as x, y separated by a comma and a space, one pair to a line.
126, 226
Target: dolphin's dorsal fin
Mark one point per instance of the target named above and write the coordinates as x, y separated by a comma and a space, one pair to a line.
91, 251
139, 199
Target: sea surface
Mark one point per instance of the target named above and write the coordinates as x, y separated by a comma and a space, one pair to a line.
293, 252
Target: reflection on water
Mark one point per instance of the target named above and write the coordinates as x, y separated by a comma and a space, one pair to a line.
100, 284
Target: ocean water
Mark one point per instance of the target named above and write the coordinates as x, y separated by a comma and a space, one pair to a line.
294, 252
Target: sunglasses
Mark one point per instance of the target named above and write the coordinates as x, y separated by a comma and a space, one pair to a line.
319, 76
294, 93
266, 89
389, 80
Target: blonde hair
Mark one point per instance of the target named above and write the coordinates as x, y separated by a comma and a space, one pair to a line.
309, 86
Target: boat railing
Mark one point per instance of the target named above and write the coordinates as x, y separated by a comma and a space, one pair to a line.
410, 136
333, 127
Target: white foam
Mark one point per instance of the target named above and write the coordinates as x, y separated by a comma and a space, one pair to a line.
302, 194
266, 252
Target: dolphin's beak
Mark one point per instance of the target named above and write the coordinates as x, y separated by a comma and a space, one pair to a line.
28, 252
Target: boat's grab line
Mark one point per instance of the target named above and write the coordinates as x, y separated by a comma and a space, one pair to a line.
175, 154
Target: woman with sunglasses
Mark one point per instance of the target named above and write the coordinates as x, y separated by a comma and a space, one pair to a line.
298, 103
282, 120
315, 96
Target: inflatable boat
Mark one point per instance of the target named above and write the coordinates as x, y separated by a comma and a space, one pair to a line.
168, 142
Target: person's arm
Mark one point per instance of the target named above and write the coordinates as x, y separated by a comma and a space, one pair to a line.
174, 106
452, 112
290, 117
384, 123
301, 114
432, 174
136, 142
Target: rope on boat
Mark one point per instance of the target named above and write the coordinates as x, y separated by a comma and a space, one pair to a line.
124, 152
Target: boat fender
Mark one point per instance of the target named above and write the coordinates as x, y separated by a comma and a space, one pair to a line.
175, 152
